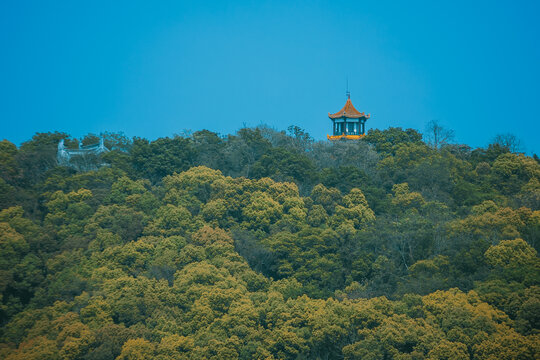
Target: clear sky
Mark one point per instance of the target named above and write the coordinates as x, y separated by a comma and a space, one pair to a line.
156, 68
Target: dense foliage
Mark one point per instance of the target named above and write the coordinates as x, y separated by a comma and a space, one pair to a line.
269, 245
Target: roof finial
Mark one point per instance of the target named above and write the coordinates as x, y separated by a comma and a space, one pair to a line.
348, 92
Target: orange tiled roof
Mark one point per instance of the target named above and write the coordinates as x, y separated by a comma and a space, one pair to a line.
348, 111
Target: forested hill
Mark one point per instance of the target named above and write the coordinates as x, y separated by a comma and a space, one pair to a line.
269, 245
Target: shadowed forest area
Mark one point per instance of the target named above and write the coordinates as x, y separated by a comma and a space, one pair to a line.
267, 244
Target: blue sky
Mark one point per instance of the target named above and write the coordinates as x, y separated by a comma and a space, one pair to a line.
156, 68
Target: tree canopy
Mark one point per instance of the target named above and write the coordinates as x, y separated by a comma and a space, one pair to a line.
267, 244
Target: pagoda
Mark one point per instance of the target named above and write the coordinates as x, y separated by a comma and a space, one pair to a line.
348, 123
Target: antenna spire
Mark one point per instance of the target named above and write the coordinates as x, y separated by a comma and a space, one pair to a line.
348, 93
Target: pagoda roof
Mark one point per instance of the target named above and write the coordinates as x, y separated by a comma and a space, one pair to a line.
348, 111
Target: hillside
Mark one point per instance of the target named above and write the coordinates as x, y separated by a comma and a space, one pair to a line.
269, 245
